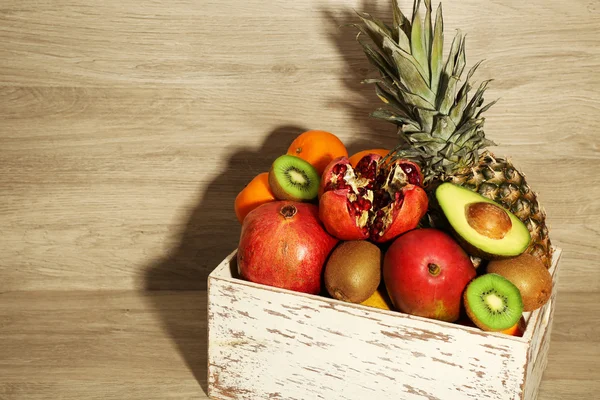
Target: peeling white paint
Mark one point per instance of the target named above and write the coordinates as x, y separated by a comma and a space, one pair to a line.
269, 343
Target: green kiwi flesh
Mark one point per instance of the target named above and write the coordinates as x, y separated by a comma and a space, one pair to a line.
292, 178
353, 271
493, 303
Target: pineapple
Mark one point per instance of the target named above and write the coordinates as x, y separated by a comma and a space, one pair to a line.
439, 124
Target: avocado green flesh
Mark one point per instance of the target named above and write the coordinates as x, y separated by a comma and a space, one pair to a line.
453, 201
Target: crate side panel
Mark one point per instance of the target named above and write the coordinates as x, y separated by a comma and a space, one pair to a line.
536, 369
540, 343
277, 345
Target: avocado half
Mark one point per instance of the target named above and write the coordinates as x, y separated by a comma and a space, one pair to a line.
490, 232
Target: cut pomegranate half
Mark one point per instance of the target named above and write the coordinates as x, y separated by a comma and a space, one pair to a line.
375, 201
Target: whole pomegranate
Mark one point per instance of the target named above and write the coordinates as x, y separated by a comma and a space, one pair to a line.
425, 272
284, 244
375, 201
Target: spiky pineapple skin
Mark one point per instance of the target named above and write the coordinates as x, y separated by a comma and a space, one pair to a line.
497, 179
440, 126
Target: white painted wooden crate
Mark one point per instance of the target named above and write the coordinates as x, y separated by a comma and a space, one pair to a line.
269, 343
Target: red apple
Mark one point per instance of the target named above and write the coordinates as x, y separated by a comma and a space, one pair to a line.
425, 272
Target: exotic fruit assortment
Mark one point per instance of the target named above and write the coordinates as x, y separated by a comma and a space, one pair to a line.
437, 227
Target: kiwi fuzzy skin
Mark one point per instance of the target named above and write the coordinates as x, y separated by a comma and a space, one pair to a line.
353, 271
529, 275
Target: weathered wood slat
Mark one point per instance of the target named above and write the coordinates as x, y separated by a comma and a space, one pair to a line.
270, 343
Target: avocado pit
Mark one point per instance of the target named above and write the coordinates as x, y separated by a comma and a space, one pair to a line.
488, 219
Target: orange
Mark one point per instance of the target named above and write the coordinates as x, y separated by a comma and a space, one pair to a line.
318, 148
358, 156
254, 194
516, 330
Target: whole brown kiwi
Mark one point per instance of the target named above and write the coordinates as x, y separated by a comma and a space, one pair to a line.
353, 271
529, 275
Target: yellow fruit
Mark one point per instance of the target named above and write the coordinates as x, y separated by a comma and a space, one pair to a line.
379, 299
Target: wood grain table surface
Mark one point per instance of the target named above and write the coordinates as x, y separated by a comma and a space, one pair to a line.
128, 127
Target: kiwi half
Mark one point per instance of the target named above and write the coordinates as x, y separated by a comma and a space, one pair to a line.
493, 303
292, 178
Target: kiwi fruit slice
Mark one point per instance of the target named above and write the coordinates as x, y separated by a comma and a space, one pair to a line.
292, 178
529, 275
493, 303
353, 271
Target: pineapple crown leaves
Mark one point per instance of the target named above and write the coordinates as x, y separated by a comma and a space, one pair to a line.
439, 126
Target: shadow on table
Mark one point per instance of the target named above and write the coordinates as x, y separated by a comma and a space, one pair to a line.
212, 231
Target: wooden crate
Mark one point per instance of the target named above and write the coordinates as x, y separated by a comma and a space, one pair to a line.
269, 343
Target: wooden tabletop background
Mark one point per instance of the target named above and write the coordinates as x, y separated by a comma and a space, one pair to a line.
128, 127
